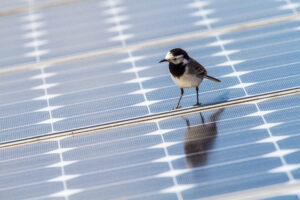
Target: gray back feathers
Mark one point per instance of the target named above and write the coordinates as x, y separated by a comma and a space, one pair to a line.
197, 69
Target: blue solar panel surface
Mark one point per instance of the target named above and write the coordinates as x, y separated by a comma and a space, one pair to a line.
119, 86
283, 197
76, 27
237, 148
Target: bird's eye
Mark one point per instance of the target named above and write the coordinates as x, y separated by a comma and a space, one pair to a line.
175, 58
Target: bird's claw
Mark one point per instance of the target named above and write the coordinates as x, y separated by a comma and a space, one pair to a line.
177, 107
197, 104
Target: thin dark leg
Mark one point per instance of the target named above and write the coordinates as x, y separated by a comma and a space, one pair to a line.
197, 91
181, 91
202, 119
187, 121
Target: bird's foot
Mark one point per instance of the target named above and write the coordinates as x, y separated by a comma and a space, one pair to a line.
197, 104
177, 107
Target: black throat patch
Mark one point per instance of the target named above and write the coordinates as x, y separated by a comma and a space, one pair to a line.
177, 70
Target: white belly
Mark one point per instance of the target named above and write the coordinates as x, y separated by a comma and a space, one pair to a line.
187, 81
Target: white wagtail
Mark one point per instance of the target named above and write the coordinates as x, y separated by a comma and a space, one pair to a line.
186, 72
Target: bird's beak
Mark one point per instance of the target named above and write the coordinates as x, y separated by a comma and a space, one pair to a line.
163, 60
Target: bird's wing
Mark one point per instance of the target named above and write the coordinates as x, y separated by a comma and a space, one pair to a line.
196, 68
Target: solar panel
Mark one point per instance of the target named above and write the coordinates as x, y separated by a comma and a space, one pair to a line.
83, 93
72, 65
282, 197
240, 147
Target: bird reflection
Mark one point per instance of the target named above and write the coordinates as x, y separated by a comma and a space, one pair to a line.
200, 138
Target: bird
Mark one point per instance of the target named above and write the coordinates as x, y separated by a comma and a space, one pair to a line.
186, 72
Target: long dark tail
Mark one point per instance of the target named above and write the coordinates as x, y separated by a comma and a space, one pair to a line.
211, 78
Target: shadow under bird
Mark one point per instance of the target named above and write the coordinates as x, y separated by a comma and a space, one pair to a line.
186, 72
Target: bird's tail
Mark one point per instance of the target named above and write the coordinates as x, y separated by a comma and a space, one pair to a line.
211, 78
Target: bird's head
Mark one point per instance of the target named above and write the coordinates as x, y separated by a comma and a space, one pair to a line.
176, 56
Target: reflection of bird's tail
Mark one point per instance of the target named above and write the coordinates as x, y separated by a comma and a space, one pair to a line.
211, 78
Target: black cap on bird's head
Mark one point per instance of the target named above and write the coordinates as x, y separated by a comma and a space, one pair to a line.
178, 51
176, 56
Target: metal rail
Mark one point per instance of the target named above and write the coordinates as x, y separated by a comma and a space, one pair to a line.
151, 117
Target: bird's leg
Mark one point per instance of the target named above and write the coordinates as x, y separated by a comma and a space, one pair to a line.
197, 91
181, 91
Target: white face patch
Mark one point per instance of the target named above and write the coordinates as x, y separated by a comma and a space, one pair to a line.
175, 59
169, 56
